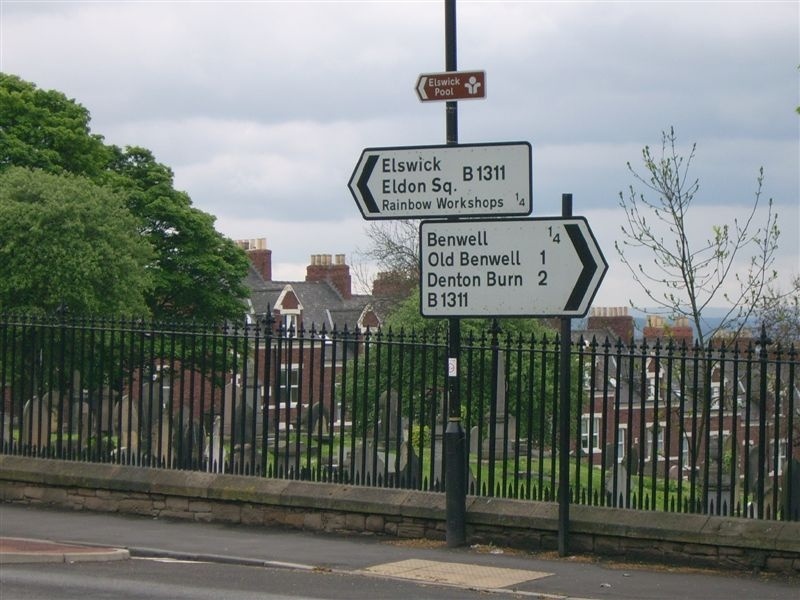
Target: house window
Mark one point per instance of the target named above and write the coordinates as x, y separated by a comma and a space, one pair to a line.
587, 377
715, 392
621, 433
590, 433
289, 322
657, 432
289, 383
783, 448
685, 458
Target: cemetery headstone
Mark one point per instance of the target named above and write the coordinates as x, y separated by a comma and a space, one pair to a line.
365, 464
320, 420
390, 425
791, 489
128, 433
505, 425
754, 472
6, 434
474, 440
616, 486
35, 424
238, 422
633, 461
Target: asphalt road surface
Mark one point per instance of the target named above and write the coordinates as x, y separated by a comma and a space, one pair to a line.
176, 559
157, 579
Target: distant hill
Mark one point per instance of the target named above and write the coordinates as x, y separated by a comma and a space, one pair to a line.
712, 318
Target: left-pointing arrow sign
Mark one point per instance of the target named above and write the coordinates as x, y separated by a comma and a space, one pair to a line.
467, 180
451, 85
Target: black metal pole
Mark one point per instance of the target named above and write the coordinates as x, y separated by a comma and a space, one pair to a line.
454, 439
563, 416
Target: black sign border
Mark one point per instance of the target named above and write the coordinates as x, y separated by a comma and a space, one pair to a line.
351, 183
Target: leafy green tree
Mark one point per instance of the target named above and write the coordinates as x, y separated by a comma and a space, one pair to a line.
529, 349
45, 130
68, 244
196, 272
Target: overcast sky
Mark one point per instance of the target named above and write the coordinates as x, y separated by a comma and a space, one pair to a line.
263, 108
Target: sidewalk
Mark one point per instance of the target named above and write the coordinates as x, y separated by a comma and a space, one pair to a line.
22, 550
79, 535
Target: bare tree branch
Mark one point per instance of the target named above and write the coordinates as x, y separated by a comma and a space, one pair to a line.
686, 277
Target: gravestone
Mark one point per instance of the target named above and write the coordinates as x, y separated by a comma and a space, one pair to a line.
503, 444
474, 441
754, 472
410, 471
35, 424
162, 450
228, 403
215, 462
400, 468
618, 496
74, 421
104, 412
791, 489
238, 408
390, 422
6, 433
128, 433
186, 441
320, 421
632, 461
611, 460
150, 421
437, 447
718, 496
365, 464
77, 425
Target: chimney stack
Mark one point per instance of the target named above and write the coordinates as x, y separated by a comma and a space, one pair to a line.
613, 318
334, 270
260, 256
679, 331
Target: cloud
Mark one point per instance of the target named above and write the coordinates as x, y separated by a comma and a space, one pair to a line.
606, 223
263, 108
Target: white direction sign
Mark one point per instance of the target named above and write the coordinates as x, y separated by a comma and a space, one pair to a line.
467, 180
513, 267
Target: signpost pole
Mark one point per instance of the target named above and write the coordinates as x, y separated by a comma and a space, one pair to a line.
564, 416
455, 464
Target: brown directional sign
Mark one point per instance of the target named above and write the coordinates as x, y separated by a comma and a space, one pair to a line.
453, 85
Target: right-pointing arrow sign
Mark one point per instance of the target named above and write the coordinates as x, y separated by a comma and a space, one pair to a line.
589, 270
513, 267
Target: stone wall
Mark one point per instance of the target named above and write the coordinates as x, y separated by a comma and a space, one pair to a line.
735, 543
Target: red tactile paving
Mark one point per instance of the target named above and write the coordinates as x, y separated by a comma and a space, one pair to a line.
14, 550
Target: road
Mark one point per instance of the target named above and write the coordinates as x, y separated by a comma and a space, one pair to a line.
156, 579
175, 559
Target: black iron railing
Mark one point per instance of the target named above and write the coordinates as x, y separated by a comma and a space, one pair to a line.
655, 426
